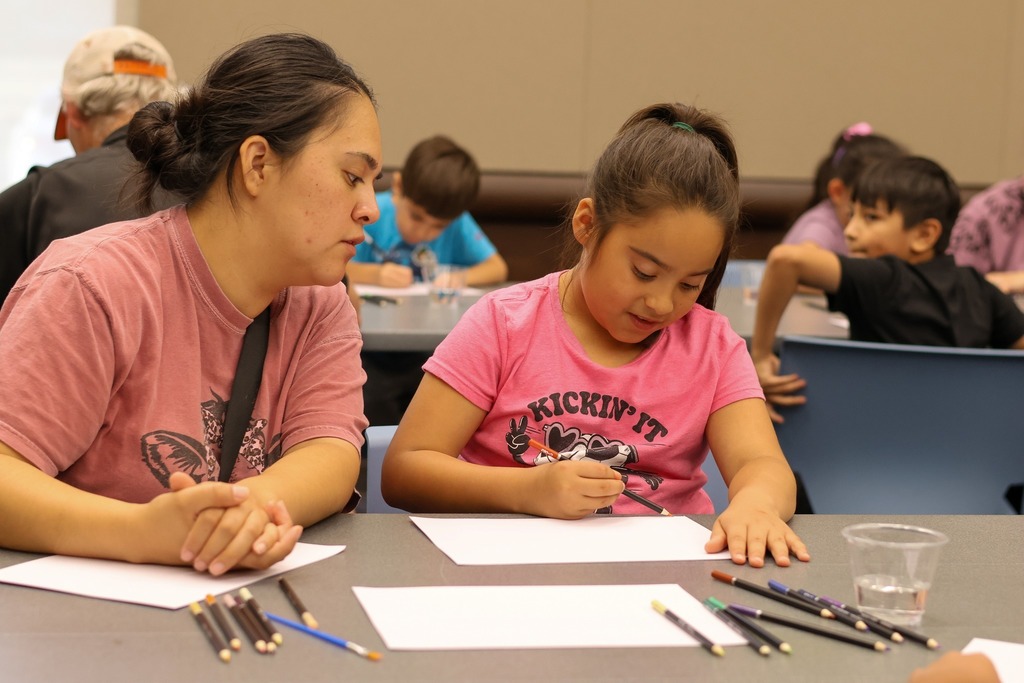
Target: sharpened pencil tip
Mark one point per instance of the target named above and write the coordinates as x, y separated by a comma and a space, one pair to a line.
373, 656
764, 650
932, 644
827, 614
880, 646
718, 650
897, 637
860, 626
658, 607
309, 620
225, 656
787, 648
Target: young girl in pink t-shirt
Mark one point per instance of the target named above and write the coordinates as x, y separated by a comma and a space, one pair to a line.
551, 397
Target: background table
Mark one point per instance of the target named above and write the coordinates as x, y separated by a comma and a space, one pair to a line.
415, 323
805, 315
47, 636
418, 324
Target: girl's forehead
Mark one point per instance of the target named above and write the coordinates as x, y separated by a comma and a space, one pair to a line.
670, 223
675, 238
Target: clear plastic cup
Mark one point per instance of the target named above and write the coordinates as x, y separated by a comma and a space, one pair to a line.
893, 566
446, 283
750, 275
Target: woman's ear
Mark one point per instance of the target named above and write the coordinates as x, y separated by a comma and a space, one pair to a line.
583, 220
255, 160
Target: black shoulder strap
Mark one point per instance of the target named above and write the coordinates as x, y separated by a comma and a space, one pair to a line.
244, 390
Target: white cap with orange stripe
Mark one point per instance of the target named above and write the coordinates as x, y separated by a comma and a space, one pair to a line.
95, 57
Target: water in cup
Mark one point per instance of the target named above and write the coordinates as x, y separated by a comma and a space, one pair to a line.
884, 597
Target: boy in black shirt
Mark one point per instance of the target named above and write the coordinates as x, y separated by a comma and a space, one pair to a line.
897, 286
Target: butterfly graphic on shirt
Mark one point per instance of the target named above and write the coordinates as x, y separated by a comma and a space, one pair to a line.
166, 451
571, 443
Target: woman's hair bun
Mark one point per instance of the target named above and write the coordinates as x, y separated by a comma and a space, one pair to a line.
152, 137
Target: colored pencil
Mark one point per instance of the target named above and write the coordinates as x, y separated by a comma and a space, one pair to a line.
769, 637
546, 450
902, 631
246, 623
841, 615
259, 625
874, 625
646, 503
754, 641
261, 616
711, 647
841, 636
316, 633
225, 626
307, 617
379, 300
219, 646
773, 595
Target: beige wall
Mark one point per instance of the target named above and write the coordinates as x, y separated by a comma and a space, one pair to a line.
541, 85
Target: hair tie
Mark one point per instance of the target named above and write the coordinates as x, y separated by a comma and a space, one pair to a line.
857, 130
684, 126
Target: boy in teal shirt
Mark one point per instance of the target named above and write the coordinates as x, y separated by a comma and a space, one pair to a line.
423, 218
897, 286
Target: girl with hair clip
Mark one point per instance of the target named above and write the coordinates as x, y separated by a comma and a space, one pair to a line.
830, 208
111, 430
552, 396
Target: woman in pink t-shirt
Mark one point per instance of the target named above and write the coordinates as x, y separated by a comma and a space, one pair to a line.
124, 340
553, 396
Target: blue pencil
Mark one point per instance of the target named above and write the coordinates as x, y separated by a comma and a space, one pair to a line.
334, 640
378, 251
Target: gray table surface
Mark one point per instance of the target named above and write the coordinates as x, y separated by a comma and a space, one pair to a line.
48, 636
418, 324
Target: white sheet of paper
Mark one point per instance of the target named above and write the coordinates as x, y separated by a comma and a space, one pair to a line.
147, 584
839, 321
480, 541
520, 617
1008, 658
417, 289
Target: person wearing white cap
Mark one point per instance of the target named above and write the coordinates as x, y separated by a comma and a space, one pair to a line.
109, 75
